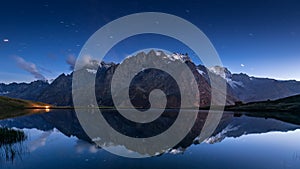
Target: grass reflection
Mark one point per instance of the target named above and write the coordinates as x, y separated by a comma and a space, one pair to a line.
11, 143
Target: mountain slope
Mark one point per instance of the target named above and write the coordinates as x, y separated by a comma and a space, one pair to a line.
288, 104
7, 103
250, 89
259, 89
10, 107
27, 91
59, 92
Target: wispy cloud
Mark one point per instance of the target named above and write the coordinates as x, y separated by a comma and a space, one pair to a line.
71, 60
86, 60
82, 146
29, 67
44, 70
39, 142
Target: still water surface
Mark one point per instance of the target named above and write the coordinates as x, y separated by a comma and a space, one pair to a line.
56, 140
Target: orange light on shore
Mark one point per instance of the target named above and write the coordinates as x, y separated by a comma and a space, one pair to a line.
47, 108
34, 105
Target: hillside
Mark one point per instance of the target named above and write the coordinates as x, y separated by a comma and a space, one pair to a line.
7, 103
288, 104
10, 107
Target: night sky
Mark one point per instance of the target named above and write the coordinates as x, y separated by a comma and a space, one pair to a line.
260, 38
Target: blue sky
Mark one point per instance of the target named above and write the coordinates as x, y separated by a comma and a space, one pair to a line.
260, 38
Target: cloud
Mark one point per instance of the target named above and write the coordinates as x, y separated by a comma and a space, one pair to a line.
71, 60
82, 146
45, 70
29, 67
39, 142
85, 61
242, 65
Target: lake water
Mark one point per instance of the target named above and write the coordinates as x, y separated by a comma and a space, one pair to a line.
56, 140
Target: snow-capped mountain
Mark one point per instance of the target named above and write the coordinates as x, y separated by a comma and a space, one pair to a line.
169, 57
249, 89
240, 87
221, 71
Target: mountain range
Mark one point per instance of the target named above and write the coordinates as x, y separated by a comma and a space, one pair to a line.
240, 87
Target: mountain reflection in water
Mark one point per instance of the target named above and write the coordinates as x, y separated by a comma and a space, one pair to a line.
61, 128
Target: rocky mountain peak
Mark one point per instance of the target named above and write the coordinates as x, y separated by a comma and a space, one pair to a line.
221, 71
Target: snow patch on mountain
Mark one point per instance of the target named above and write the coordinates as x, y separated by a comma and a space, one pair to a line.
176, 151
225, 74
200, 72
50, 81
93, 71
221, 71
106, 64
220, 136
234, 84
171, 57
158, 53
178, 57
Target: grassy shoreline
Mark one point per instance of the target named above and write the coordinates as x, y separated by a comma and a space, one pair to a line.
10, 107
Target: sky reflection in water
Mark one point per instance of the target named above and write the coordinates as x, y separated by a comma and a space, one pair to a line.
276, 146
